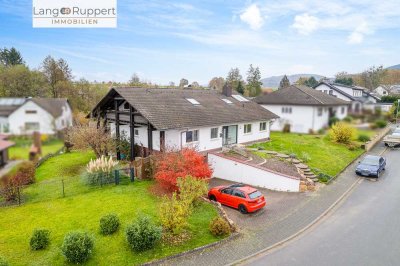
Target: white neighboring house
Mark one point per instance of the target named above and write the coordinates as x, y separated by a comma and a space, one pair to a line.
21, 116
158, 119
384, 90
303, 108
357, 96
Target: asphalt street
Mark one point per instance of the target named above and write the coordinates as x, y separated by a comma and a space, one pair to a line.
363, 230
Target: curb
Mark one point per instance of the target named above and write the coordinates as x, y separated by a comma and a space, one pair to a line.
161, 261
316, 220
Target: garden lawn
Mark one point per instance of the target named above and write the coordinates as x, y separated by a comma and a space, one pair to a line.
21, 149
328, 157
82, 211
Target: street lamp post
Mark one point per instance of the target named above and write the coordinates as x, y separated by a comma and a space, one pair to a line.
397, 112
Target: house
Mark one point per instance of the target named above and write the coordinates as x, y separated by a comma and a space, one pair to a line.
4, 146
303, 108
158, 119
357, 96
384, 90
21, 116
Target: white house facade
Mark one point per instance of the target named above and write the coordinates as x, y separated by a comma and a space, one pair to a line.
357, 96
305, 110
20, 116
382, 90
163, 119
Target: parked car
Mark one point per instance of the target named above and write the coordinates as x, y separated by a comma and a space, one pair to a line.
242, 197
371, 165
392, 140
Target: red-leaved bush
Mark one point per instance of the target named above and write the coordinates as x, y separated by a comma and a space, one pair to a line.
172, 165
9, 184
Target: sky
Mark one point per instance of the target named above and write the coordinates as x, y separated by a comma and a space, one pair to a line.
165, 41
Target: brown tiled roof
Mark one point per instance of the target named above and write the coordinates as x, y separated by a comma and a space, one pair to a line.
299, 95
52, 105
170, 109
5, 144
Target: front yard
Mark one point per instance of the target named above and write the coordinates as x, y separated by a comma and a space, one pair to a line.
22, 146
317, 151
46, 208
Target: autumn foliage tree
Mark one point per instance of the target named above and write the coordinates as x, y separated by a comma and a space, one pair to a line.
172, 165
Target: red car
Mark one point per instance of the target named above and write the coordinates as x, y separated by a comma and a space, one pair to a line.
239, 196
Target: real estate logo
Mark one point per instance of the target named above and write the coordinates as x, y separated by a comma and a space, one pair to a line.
74, 13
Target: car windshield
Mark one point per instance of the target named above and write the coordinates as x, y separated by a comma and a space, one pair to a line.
397, 130
255, 194
371, 161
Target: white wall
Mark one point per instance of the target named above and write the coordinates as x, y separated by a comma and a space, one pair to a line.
240, 172
65, 119
381, 91
324, 88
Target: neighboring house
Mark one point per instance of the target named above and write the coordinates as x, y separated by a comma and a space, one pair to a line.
382, 107
357, 96
303, 108
384, 90
159, 119
4, 145
20, 116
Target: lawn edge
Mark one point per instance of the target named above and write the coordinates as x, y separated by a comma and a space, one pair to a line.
188, 252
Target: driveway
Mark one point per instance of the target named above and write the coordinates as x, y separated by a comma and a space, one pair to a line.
279, 204
364, 230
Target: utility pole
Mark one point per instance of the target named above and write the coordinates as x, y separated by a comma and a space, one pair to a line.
397, 111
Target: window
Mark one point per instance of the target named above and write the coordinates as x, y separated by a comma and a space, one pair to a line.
247, 128
286, 110
240, 98
214, 133
192, 136
29, 112
330, 92
238, 193
136, 132
193, 101
343, 110
227, 191
32, 126
126, 106
320, 111
226, 100
263, 126
62, 122
326, 91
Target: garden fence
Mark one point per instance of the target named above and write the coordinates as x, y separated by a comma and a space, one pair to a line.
60, 188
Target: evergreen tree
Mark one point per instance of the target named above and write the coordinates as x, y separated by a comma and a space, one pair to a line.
234, 78
311, 82
254, 81
284, 82
240, 88
10, 57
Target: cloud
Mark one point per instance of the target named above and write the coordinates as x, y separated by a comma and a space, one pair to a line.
252, 16
305, 24
357, 36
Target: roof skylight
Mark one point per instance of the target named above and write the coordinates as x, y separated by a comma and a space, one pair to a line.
240, 98
193, 101
226, 100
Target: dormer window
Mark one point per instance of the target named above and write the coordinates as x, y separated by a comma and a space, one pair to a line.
240, 98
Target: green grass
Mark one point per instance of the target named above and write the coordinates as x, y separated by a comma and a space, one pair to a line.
46, 208
22, 146
325, 155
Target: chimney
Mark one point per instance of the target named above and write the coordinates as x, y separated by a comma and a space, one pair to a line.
227, 90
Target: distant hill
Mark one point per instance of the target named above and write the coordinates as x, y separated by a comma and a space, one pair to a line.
273, 82
394, 67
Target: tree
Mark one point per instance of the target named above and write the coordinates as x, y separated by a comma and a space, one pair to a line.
172, 165
216, 83
89, 136
10, 57
183, 82
58, 75
135, 80
284, 82
372, 77
311, 82
240, 88
254, 81
302, 81
234, 78
195, 84
344, 78
171, 84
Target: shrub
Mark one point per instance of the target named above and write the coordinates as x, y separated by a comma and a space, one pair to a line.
143, 234
40, 239
380, 123
77, 246
363, 138
109, 224
191, 189
352, 147
323, 178
174, 214
9, 188
172, 165
286, 128
321, 131
3, 261
219, 227
341, 132
99, 171
348, 119
333, 120
25, 173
